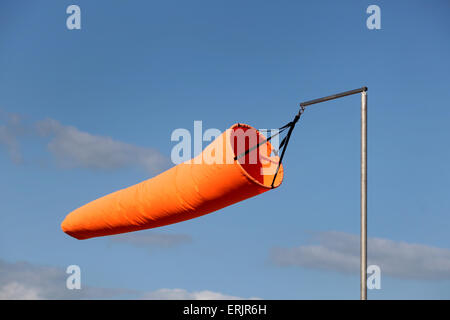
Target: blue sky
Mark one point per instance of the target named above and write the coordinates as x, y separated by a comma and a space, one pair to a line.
138, 70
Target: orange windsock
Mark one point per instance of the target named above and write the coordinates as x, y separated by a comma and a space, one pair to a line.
211, 181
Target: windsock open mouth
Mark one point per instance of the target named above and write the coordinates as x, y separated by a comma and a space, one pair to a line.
257, 164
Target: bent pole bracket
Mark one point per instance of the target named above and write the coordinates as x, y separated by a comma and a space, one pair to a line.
363, 241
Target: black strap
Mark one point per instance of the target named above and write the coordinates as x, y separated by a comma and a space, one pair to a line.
280, 130
284, 143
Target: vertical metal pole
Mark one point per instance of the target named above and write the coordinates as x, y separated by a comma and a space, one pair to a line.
363, 244
363, 195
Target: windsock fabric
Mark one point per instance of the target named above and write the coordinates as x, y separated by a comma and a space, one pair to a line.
209, 182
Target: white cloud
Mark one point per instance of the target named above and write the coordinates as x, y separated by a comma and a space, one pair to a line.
22, 280
17, 291
10, 130
25, 281
182, 294
72, 147
339, 251
76, 148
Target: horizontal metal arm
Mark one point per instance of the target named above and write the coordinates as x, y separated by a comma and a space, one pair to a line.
334, 96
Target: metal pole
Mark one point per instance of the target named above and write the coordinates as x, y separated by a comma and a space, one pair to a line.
363, 244
333, 96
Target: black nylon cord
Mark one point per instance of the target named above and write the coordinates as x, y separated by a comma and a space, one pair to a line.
280, 130
284, 143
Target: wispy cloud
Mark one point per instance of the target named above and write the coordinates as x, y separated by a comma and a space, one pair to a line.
339, 251
75, 148
151, 240
22, 280
72, 147
10, 130
26, 281
182, 294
